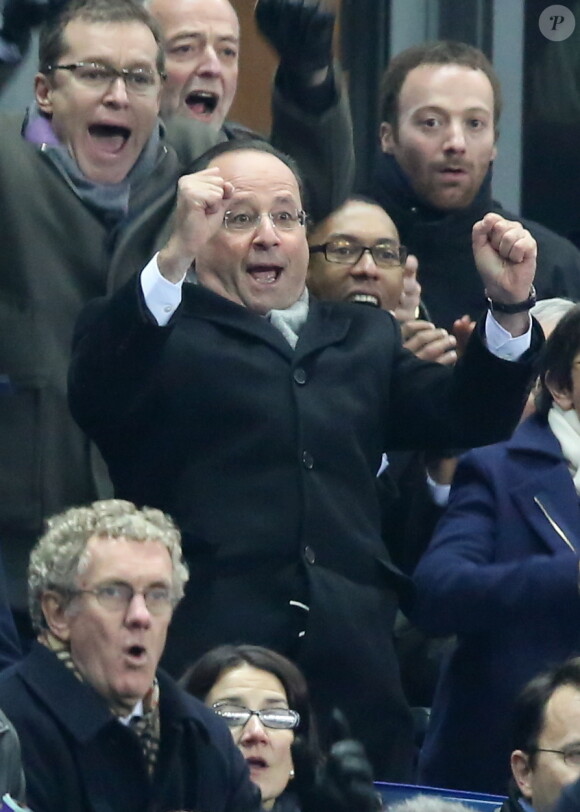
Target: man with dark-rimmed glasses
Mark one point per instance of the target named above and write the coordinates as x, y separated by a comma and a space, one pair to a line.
356, 255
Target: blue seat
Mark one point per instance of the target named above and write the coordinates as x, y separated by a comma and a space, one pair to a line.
394, 793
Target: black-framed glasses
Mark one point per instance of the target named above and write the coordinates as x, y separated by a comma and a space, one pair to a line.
385, 253
249, 220
116, 597
99, 77
238, 716
570, 755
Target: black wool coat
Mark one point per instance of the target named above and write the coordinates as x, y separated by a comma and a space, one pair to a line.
78, 757
267, 459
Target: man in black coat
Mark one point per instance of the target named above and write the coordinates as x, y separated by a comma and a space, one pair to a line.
258, 417
440, 110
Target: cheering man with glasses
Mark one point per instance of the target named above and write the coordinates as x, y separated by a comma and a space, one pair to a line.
219, 391
99, 78
86, 182
343, 267
100, 727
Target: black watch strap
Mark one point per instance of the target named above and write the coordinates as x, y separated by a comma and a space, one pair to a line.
517, 307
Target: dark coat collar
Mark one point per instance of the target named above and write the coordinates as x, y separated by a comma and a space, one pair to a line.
80, 709
326, 323
544, 490
391, 188
534, 436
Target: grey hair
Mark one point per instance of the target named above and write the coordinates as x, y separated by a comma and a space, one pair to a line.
61, 555
429, 803
551, 310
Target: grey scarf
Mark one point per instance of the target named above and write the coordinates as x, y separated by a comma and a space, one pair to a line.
110, 201
290, 320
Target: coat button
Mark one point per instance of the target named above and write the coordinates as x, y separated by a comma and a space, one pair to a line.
308, 460
300, 375
309, 555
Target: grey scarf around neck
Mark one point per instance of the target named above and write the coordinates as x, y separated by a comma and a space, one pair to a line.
290, 320
111, 200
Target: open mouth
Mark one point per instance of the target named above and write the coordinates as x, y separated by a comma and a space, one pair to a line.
256, 763
110, 137
365, 298
136, 652
265, 274
202, 102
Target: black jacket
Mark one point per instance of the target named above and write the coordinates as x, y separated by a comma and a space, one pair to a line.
267, 459
78, 757
441, 241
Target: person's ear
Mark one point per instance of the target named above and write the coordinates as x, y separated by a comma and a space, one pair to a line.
522, 772
43, 90
54, 609
387, 137
562, 396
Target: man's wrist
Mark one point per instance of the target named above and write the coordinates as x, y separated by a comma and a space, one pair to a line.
515, 307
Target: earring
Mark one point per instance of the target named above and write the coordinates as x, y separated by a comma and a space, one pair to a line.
292, 773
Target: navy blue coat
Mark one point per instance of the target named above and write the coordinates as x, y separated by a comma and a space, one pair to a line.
78, 757
502, 574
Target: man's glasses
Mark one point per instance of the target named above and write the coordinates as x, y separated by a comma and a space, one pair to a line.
238, 716
117, 597
249, 220
571, 755
98, 77
385, 253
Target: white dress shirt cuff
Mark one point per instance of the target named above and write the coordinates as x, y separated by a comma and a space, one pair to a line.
439, 493
502, 344
162, 297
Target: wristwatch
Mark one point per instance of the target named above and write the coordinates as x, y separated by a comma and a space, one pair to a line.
517, 307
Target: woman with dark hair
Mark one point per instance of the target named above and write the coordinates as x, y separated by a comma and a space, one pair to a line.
502, 574
263, 698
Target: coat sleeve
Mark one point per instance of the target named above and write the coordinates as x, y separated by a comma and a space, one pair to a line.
462, 587
321, 144
477, 403
114, 362
10, 761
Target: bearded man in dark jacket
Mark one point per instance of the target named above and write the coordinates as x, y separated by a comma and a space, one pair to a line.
440, 108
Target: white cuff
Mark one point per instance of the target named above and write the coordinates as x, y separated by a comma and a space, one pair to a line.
162, 297
501, 343
439, 493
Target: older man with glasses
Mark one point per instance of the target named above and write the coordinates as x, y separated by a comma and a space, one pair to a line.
100, 727
257, 416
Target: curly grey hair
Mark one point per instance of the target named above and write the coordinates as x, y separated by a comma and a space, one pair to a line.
60, 555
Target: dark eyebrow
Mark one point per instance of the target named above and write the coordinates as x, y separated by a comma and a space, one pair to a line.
237, 700
389, 240
434, 108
